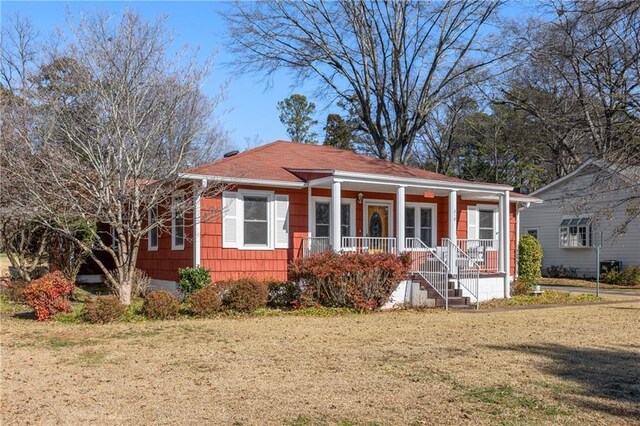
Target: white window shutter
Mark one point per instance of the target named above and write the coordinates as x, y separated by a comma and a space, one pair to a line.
230, 219
282, 221
473, 217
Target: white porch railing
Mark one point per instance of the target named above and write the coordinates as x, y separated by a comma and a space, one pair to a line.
465, 270
430, 267
483, 252
369, 245
315, 245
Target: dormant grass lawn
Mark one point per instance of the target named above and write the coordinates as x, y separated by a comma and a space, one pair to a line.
568, 365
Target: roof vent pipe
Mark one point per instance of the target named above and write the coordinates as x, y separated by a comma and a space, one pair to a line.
230, 153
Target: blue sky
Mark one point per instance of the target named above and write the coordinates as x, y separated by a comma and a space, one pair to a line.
250, 106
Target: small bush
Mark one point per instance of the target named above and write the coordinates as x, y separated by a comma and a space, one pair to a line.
560, 271
104, 309
529, 260
243, 295
161, 304
519, 287
14, 289
206, 302
354, 280
49, 295
628, 276
193, 279
283, 295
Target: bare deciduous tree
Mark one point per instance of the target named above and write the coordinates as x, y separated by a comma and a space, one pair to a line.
393, 62
118, 119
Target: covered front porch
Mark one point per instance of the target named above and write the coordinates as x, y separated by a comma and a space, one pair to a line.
457, 230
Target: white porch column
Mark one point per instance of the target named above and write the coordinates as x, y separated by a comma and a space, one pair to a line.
335, 215
501, 233
400, 199
197, 201
309, 211
453, 217
506, 245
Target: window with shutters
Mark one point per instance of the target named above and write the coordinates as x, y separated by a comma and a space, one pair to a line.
255, 220
177, 223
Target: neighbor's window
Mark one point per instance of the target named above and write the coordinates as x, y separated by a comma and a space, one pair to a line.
533, 233
256, 220
486, 229
177, 223
153, 230
575, 232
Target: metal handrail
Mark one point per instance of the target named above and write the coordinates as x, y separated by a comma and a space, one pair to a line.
485, 252
426, 263
464, 268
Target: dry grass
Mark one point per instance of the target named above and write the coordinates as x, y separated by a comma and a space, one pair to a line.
569, 365
575, 282
4, 265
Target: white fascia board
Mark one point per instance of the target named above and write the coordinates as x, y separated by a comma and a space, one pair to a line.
563, 178
245, 181
426, 183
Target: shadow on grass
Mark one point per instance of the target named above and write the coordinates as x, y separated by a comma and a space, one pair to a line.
611, 375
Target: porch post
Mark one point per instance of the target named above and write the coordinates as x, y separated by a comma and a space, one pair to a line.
400, 199
501, 233
453, 215
507, 248
335, 215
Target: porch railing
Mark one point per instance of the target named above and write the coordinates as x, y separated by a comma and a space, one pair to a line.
430, 267
368, 245
483, 252
416, 244
315, 245
465, 270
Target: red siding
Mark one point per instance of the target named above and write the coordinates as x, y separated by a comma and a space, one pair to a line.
272, 264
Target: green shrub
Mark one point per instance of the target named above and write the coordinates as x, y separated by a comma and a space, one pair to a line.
353, 280
161, 304
628, 276
193, 279
104, 309
529, 260
283, 295
244, 294
207, 301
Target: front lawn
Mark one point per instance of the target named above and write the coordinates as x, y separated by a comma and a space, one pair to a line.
568, 365
576, 282
548, 297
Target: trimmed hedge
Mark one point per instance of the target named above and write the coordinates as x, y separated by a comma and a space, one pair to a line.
161, 304
244, 294
529, 260
103, 309
207, 301
352, 280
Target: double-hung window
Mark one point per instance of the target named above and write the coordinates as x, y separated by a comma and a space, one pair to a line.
153, 228
419, 223
486, 229
177, 223
323, 219
575, 232
256, 220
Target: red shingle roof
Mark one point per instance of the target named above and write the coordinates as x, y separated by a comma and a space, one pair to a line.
294, 162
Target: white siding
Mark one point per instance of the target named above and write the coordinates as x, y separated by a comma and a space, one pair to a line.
559, 201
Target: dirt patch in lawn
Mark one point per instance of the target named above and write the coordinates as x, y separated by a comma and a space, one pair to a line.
577, 365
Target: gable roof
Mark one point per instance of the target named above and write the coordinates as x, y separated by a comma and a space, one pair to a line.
628, 172
282, 161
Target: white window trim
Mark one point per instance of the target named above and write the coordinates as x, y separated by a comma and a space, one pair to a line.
372, 201
175, 246
271, 218
149, 246
589, 231
496, 220
352, 215
434, 221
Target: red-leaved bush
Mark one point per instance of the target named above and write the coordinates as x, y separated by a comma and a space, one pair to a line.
351, 280
49, 295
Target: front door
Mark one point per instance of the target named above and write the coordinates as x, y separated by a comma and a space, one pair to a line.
377, 220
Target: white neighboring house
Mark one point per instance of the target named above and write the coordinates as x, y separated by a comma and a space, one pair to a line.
581, 209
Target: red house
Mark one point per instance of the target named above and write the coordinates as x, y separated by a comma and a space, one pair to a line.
286, 200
